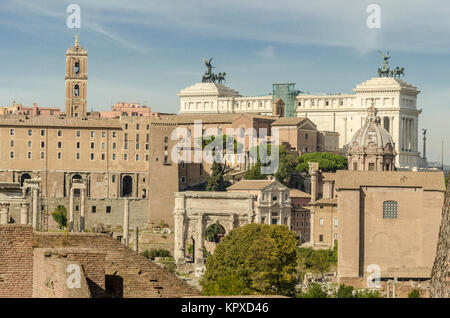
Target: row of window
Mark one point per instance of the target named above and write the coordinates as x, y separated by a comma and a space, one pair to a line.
78, 156
78, 145
12, 132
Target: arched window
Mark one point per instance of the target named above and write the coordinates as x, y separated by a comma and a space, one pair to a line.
76, 69
127, 186
390, 210
76, 90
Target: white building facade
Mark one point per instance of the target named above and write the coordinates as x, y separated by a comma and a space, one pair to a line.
395, 100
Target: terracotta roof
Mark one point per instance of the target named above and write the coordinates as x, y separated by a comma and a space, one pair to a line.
60, 122
326, 201
288, 121
250, 185
296, 193
423, 179
206, 118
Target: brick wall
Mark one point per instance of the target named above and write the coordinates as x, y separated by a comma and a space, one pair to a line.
128, 274
16, 261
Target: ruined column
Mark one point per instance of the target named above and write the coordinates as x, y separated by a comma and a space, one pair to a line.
199, 244
35, 208
4, 213
24, 213
82, 209
178, 253
136, 239
126, 220
71, 209
313, 171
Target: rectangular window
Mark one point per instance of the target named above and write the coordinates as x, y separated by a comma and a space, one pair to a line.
274, 221
42, 155
114, 134
147, 146
42, 144
166, 139
125, 145
137, 157
59, 156
94, 209
147, 157
108, 209
42, 132
321, 238
126, 126
29, 155
103, 134
78, 145
92, 145
113, 145
11, 143
335, 222
390, 210
11, 132
78, 156
137, 146
92, 156
92, 134
78, 133
371, 166
113, 156
59, 133
103, 145
11, 155
137, 126
183, 180
147, 137
147, 127
113, 178
103, 156
125, 156
321, 221
30, 132
137, 137
125, 137
59, 144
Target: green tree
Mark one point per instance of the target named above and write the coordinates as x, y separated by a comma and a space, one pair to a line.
414, 294
60, 216
216, 182
286, 167
368, 294
255, 259
345, 291
314, 291
214, 232
327, 161
255, 173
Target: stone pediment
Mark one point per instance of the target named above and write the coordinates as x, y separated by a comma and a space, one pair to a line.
208, 89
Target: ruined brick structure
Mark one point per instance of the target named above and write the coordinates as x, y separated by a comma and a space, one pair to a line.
34, 264
440, 275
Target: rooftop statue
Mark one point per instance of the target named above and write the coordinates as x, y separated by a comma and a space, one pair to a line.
209, 76
385, 72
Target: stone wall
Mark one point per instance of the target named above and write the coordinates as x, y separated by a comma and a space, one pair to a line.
440, 274
16, 261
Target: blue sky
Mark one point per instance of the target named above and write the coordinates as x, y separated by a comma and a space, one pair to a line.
148, 50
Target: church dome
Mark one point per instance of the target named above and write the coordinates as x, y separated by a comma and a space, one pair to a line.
372, 132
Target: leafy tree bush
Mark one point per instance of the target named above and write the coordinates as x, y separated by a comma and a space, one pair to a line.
255, 259
315, 261
60, 216
344, 291
368, 294
314, 291
327, 161
414, 294
155, 252
216, 181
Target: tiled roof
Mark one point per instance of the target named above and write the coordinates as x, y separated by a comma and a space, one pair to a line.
288, 121
296, 193
60, 122
250, 185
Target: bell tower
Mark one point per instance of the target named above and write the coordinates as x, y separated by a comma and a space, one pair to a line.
76, 81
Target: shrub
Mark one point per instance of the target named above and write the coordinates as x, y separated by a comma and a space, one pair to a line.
314, 291
60, 216
414, 294
345, 292
155, 252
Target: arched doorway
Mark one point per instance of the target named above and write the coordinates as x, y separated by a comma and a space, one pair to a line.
23, 177
127, 186
76, 192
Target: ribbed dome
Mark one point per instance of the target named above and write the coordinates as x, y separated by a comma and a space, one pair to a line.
372, 131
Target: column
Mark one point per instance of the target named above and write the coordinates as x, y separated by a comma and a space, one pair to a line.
35, 207
71, 194
24, 213
126, 220
391, 126
4, 213
136, 239
199, 260
311, 226
179, 251
82, 209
